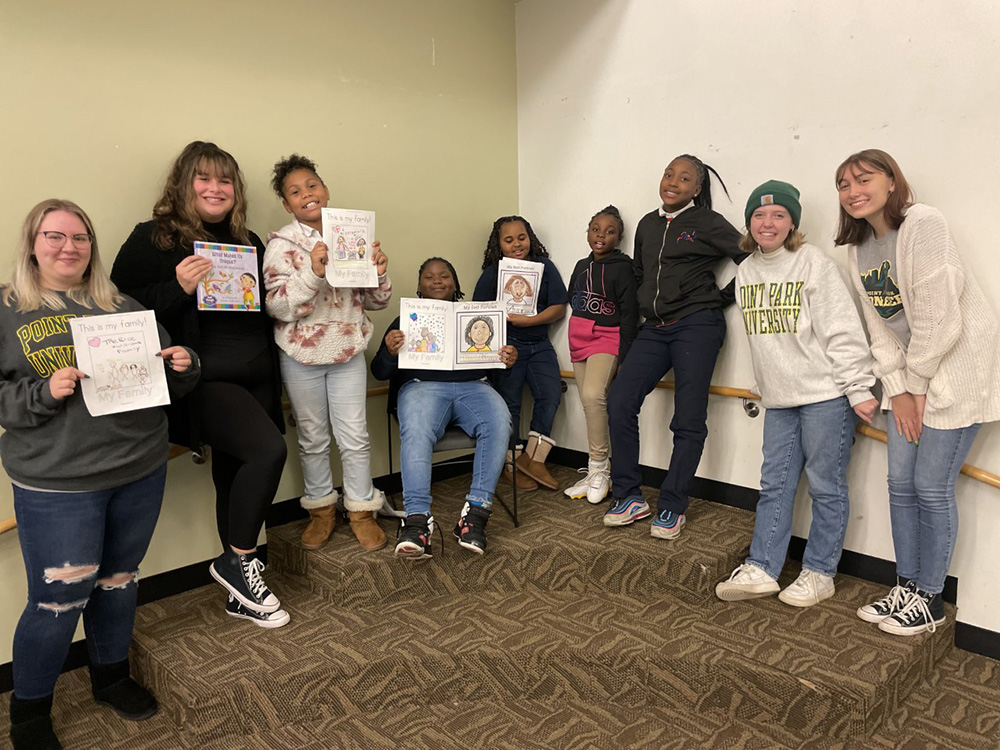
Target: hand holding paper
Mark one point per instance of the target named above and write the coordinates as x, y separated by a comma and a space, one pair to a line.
176, 358
62, 384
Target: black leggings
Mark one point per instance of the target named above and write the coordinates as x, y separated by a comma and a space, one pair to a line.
248, 455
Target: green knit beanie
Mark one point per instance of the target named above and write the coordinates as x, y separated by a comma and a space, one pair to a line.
775, 193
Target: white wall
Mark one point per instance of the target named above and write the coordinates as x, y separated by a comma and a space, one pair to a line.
610, 90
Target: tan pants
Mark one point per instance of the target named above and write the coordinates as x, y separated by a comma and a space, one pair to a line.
593, 378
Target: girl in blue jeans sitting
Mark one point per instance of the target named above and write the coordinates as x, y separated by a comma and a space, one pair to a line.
813, 371
87, 490
427, 402
937, 352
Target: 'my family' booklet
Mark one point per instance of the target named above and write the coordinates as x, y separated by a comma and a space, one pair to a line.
451, 335
349, 235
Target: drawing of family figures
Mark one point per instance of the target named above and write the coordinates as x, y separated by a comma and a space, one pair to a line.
346, 253
121, 374
426, 341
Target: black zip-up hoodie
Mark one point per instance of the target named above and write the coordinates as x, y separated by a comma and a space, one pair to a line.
675, 263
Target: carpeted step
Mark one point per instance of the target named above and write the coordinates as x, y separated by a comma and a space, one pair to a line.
561, 545
792, 675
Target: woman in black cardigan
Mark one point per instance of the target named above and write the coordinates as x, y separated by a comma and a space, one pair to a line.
236, 410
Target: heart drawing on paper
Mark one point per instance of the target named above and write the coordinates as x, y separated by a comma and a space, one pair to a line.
96, 341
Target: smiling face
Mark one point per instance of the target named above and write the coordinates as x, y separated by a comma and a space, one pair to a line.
864, 191
679, 185
214, 195
770, 227
437, 282
514, 240
304, 196
63, 268
602, 235
479, 333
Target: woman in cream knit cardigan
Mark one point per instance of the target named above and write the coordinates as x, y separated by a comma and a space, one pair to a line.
936, 346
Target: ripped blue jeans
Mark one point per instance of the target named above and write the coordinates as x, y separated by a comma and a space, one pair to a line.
81, 554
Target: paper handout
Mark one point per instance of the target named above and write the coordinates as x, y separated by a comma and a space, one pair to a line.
118, 352
348, 235
517, 285
444, 335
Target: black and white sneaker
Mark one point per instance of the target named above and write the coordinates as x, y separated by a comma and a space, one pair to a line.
470, 531
275, 619
413, 540
889, 604
240, 574
922, 613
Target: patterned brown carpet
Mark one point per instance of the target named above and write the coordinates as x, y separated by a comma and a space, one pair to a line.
564, 635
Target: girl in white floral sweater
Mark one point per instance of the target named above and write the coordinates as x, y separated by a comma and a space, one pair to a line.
323, 333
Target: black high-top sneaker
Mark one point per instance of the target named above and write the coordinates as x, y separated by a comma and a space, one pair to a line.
471, 528
413, 540
889, 604
240, 574
922, 613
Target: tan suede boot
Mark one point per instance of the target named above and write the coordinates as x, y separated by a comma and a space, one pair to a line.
369, 533
524, 482
536, 453
321, 523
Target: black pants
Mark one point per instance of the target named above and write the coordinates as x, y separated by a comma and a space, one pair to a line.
689, 347
248, 449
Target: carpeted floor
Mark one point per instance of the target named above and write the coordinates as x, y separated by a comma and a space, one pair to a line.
564, 635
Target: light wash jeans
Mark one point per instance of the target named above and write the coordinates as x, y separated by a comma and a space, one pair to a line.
325, 396
816, 437
922, 503
106, 533
425, 410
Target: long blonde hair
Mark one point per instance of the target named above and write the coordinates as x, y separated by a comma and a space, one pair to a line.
177, 222
25, 289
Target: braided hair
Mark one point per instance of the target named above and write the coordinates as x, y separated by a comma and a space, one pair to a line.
704, 198
459, 294
493, 252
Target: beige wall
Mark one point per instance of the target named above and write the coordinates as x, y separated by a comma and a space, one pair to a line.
610, 90
408, 107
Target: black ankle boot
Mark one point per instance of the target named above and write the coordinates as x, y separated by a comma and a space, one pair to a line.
31, 724
113, 686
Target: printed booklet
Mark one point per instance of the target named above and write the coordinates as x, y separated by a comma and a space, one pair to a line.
451, 335
517, 285
232, 284
348, 235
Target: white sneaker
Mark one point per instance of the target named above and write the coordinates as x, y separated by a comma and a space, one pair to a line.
595, 485
808, 589
746, 582
600, 481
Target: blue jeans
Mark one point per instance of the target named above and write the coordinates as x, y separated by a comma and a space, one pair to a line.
325, 397
425, 410
81, 554
816, 437
690, 347
536, 364
922, 503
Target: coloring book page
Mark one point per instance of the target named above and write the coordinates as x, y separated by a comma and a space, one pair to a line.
348, 235
517, 285
118, 352
232, 284
451, 335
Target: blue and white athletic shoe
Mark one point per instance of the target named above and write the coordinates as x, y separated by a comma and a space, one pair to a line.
667, 525
625, 511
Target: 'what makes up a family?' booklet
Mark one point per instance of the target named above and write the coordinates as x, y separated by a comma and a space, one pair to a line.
444, 335
232, 284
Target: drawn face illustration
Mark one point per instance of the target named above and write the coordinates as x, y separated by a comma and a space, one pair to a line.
248, 282
518, 288
480, 333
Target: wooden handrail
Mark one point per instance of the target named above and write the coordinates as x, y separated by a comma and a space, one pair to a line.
864, 429
719, 390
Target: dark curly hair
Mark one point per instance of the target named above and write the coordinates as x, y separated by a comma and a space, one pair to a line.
493, 253
286, 166
459, 294
614, 213
704, 198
